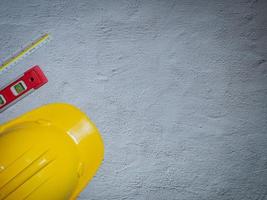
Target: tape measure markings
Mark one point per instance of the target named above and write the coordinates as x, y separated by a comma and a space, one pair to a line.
26, 51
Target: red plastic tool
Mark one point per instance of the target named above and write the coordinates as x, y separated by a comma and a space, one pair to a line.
31, 80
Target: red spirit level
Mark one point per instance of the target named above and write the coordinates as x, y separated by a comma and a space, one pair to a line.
25, 84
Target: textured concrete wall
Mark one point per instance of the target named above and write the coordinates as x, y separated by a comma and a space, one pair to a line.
177, 88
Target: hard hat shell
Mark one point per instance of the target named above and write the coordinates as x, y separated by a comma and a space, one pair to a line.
49, 153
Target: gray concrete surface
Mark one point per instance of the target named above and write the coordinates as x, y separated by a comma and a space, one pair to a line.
177, 88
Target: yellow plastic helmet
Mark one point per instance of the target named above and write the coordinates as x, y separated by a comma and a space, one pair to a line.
50, 153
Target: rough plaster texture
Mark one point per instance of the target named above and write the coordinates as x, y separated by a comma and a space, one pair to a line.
177, 88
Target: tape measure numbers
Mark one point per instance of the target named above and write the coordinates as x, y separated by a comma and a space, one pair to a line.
24, 52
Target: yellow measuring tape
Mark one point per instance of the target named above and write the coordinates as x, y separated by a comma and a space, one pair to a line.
28, 49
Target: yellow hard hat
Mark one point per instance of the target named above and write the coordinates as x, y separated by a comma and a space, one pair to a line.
50, 153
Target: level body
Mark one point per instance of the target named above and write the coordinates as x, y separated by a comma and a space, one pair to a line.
31, 80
